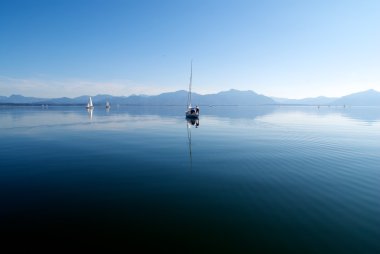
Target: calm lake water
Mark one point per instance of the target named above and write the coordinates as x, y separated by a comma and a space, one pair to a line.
265, 179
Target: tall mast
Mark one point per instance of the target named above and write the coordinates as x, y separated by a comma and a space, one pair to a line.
191, 80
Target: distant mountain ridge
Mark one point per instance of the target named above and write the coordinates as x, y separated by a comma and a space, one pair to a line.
321, 100
15, 98
230, 97
366, 98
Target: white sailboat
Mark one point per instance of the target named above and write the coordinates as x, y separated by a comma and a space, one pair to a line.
89, 104
108, 105
191, 111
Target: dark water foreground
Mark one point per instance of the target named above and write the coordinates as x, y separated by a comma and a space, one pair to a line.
143, 179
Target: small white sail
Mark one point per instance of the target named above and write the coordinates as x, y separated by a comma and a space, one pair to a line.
89, 104
108, 104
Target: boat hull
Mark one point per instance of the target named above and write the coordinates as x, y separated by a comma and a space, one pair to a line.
191, 115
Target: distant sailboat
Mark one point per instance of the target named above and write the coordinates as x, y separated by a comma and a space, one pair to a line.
89, 104
108, 105
191, 111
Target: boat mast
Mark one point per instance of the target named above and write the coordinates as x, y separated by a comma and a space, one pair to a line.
191, 80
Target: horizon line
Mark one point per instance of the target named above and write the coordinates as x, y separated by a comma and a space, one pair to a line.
231, 89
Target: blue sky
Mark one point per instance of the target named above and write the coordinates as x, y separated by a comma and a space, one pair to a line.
283, 48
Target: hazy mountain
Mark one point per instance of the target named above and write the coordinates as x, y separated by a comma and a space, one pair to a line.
366, 98
63, 100
321, 100
172, 98
235, 97
231, 97
15, 98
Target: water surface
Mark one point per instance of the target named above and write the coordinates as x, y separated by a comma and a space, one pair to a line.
242, 179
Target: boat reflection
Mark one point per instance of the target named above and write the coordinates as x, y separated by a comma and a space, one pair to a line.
90, 112
189, 123
193, 122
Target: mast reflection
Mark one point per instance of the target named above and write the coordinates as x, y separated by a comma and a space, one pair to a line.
189, 124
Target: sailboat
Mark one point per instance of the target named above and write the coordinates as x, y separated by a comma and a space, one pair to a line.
191, 111
89, 104
108, 105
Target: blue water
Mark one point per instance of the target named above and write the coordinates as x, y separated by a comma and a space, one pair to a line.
242, 180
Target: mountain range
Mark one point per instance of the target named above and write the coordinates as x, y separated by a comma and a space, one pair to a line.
321, 100
231, 97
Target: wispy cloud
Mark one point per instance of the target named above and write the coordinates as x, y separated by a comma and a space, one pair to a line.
73, 87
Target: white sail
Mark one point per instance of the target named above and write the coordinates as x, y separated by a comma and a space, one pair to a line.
108, 104
89, 103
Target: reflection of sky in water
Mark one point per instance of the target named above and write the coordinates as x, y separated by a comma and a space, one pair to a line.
226, 123
140, 117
